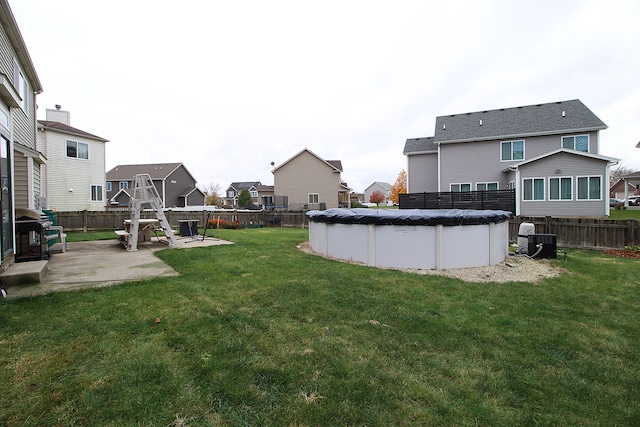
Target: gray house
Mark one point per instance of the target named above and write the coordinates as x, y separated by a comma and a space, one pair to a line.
548, 153
383, 187
175, 185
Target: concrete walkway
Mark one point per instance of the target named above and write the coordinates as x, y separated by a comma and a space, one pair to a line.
103, 263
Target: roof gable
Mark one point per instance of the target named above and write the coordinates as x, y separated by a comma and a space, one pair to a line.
61, 127
541, 119
248, 185
568, 151
336, 165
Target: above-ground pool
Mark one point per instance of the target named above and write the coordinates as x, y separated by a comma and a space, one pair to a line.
437, 239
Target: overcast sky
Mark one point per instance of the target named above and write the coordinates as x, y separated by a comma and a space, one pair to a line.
227, 87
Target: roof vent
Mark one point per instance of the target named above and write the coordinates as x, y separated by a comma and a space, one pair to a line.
444, 126
480, 122
563, 113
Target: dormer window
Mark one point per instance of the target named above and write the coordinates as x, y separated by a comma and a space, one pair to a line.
576, 142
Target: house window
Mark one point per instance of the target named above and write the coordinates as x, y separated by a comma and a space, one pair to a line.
124, 185
560, 188
108, 186
460, 187
20, 84
589, 188
512, 150
483, 186
314, 198
577, 142
4, 115
96, 193
231, 193
253, 194
533, 189
78, 150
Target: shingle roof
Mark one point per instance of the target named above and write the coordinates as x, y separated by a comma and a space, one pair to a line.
155, 171
238, 186
541, 119
336, 164
61, 127
419, 145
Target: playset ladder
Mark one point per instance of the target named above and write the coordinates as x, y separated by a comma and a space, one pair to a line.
145, 192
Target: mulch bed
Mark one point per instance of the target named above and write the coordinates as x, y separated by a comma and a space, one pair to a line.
623, 253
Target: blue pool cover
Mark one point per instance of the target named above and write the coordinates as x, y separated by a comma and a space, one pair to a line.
409, 216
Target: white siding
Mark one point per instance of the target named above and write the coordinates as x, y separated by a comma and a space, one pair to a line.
70, 179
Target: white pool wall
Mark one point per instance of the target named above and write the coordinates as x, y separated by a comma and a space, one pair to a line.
435, 247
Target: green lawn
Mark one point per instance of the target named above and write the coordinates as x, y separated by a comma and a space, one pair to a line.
261, 334
624, 214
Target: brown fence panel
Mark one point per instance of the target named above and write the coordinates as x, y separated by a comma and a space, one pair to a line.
112, 220
582, 232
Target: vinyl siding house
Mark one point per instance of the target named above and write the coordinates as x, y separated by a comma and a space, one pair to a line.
383, 187
309, 182
75, 170
21, 158
175, 185
548, 153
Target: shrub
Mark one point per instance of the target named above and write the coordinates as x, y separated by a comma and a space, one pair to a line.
223, 223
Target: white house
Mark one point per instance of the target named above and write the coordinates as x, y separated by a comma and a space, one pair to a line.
75, 170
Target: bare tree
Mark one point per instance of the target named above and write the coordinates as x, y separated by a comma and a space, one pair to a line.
618, 172
212, 194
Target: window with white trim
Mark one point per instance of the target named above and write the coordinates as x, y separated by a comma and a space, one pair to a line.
253, 194
231, 193
20, 83
589, 188
533, 189
78, 150
96, 193
108, 186
460, 187
313, 198
124, 185
576, 142
483, 186
4, 115
512, 150
561, 188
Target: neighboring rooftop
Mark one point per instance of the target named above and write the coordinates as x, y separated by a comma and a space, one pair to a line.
531, 120
155, 171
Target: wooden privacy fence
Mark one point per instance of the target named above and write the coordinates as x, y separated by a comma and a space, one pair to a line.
114, 219
588, 233
571, 232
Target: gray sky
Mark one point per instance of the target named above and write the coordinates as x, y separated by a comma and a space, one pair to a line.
227, 87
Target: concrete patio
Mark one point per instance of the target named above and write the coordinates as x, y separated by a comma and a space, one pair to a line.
93, 264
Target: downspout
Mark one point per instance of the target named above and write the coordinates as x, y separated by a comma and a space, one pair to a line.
607, 205
438, 171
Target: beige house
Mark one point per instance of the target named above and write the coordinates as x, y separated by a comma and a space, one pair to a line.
307, 181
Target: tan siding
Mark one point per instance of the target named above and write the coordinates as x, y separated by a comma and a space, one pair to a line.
307, 174
21, 184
